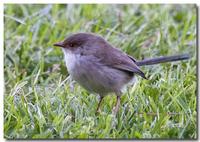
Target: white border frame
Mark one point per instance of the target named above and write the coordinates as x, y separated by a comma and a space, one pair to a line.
2, 2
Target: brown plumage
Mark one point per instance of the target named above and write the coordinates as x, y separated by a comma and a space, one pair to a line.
101, 68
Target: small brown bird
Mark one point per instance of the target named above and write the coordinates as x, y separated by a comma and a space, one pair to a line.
101, 68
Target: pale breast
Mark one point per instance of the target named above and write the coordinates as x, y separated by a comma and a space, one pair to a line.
71, 61
93, 75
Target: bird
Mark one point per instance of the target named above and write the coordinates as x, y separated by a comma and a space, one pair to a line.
101, 68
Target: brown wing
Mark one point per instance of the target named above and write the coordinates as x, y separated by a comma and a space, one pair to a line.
117, 59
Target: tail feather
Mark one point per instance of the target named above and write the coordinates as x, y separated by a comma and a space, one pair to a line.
162, 59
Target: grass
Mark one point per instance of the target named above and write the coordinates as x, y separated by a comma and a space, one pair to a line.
40, 102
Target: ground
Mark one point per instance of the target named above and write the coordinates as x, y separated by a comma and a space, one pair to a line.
41, 102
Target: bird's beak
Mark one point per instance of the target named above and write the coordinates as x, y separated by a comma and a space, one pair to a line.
59, 44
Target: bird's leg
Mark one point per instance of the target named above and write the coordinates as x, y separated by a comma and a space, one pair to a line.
99, 104
116, 108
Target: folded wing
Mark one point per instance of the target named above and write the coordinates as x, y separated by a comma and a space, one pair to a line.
118, 59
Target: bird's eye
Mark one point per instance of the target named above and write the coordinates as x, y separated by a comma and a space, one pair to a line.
71, 45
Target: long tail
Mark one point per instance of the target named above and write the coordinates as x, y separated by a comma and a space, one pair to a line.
162, 59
